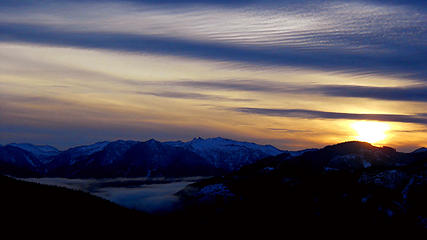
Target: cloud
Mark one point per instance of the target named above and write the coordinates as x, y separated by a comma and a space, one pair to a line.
411, 93
313, 114
237, 85
195, 96
407, 93
324, 60
411, 131
289, 130
349, 36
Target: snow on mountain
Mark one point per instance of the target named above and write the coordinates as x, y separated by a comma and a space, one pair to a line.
88, 149
75, 154
18, 162
114, 151
153, 158
200, 144
227, 154
44, 153
122, 158
37, 150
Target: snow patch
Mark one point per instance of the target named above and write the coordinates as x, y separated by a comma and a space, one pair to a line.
90, 149
40, 151
215, 190
328, 169
366, 164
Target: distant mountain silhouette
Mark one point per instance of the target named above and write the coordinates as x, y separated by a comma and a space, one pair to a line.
199, 157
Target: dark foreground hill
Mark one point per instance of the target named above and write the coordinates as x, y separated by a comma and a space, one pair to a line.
350, 187
31, 210
40, 210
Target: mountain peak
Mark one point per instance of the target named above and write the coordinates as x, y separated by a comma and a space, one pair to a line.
226, 153
358, 146
29, 145
215, 139
87, 149
420, 150
152, 141
354, 143
352, 155
42, 151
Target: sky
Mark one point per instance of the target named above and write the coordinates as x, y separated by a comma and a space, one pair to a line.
294, 74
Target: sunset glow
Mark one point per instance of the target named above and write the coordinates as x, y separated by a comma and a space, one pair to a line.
287, 73
371, 132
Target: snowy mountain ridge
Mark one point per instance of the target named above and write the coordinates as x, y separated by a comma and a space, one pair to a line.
44, 153
37, 150
124, 158
226, 153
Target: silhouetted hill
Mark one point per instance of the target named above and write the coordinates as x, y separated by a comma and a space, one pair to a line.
352, 187
30, 206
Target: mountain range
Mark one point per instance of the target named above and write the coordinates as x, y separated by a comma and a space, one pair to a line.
198, 157
346, 188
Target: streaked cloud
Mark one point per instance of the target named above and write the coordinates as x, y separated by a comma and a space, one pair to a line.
351, 36
290, 130
313, 114
332, 60
398, 93
410, 93
189, 95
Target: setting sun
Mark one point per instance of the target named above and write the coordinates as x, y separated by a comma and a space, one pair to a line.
371, 132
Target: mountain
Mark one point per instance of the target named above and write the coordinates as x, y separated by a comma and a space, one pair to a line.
349, 156
73, 155
79, 161
199, 157
420, 150
350, 186
154, 158
44, 153
227, 154
18, 162
136, 159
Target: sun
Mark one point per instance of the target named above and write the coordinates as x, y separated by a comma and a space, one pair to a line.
370, 131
